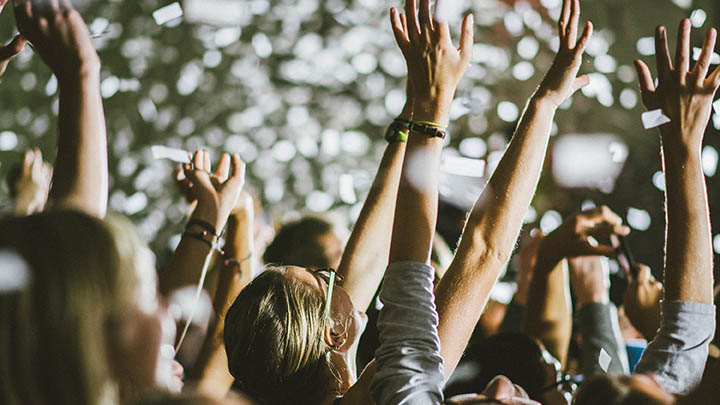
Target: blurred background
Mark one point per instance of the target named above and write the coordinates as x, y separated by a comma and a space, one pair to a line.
304, 89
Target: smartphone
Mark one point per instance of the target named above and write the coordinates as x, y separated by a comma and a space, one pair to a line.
625, 256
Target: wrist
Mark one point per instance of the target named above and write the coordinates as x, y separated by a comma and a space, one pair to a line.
592, 298
86, 72
542, 100
432, 109
210, 215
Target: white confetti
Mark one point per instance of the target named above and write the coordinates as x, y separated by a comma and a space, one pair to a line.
462, 166
604, 360
716, 107
654, 118
15, 274
714, 59
168, 13
175, 155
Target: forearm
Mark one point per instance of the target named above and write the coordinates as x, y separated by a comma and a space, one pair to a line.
550, 321
600, 331
210, 374
80, 178
417, 199
366, 254
689, 257
491, 231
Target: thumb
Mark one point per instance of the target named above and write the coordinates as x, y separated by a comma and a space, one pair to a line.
466, 38
13, 48
580, 82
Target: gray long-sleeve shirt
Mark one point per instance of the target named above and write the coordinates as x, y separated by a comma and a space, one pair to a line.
677, 355
408, 363
600, 330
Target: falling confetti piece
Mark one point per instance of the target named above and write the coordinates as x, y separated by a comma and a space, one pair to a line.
654, 118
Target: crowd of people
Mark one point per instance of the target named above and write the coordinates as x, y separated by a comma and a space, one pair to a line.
381, 317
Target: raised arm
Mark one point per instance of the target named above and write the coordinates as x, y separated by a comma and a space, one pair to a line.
61, 38
686, 97
216, 195
210, 374
678, 353
365, 256
496, 219
551, 319
31, 188
597, 317
408, 363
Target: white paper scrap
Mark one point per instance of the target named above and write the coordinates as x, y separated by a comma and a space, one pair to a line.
168, 13
604, 360
716, 107
654, 118
462, 166
714, 59
175, 155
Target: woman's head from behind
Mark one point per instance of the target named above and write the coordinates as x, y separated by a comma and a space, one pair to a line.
57, 330
280, 347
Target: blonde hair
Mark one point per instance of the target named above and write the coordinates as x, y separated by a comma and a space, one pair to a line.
274, 338
52, 333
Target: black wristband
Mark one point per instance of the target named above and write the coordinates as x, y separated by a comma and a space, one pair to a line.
201, 237
202, 224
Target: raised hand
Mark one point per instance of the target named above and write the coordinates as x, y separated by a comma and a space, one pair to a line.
216, 193
562, 81
590, 279
59, 36
33, 185
13, 48
684, 95
642, 302
572, 238
435, 65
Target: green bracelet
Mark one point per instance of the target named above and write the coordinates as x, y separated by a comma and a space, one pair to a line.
397, 132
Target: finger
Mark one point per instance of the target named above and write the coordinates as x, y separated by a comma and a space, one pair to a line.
223, 169
598, 250
572, 28
2, 4
443, 31
237, 168
197, 160
206, 160
424, 16
65, 5
189, 170
602, 214
466, 38
412, 18
27, 163
714, 79
398, 29
703, 64
662, 53
580, 82
564, 20
178, 174
682, 51
644, 275
54, 5
582, 42
13, 48
647, 85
